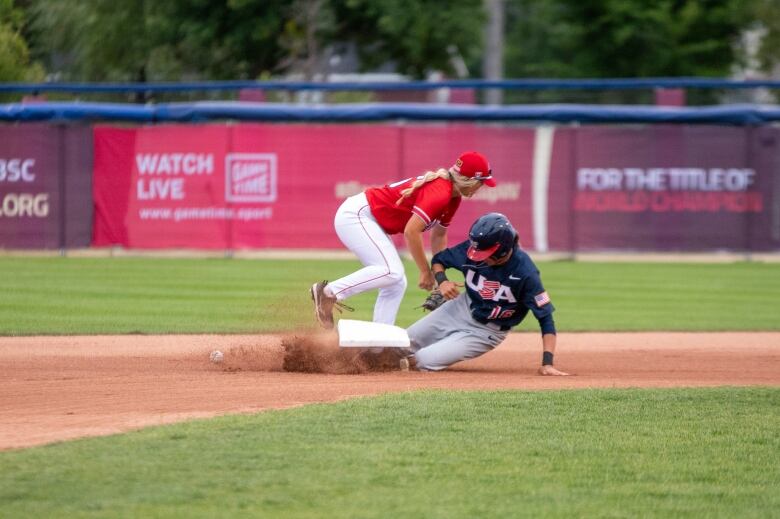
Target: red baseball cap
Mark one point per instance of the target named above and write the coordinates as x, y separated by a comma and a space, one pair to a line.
473, 164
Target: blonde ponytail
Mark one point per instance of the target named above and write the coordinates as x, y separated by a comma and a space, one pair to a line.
459, 182
427, 177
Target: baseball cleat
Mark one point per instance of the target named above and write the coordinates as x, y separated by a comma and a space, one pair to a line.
404, 364
323, 305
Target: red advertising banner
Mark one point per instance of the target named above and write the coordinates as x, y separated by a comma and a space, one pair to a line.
664, 188
763, 227
29, 186
277, 185
643, 188
45, 179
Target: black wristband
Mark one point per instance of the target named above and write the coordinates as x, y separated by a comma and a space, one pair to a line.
440, 277
547, 358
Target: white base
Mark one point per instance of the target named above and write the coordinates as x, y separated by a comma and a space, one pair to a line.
366, 334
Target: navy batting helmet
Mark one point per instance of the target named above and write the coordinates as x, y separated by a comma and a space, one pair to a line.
492, 236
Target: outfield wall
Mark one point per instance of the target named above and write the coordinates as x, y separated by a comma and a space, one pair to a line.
45, 186
652, 188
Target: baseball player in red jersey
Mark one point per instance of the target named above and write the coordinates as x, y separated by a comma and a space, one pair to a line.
411, 206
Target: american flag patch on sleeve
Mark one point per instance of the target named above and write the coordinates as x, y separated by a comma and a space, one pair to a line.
542, 299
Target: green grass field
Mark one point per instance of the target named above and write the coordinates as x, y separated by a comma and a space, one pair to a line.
143, 295
590, 453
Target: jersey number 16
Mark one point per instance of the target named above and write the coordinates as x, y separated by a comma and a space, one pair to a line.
500, 313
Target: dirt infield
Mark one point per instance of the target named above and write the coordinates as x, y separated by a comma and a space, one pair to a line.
59, 388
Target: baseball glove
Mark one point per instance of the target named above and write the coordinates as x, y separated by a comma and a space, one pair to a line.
433, 301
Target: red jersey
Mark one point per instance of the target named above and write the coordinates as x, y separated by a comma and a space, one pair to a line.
433, 202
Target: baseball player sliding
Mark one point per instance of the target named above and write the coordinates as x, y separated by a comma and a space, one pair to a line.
411, 206
502, 286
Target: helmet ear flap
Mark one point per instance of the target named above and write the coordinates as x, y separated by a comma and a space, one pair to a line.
504, 248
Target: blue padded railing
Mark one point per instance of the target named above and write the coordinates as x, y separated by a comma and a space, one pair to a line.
242, 111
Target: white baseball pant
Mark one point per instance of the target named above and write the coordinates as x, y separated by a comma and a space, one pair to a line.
359, 231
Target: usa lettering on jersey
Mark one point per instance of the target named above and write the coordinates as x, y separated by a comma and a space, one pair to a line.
489, 290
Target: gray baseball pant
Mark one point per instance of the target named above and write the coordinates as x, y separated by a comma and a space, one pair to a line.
450, 334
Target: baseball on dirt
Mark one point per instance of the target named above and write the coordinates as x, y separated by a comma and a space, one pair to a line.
216, 356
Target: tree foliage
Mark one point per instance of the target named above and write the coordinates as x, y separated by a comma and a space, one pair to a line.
150, 40
15, 63
624, 38
767, 15
147, 39
246, 39
416, 35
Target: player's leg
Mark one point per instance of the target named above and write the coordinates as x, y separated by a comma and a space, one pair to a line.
436, 325
449, 335
389, 299
360, 233
457, 346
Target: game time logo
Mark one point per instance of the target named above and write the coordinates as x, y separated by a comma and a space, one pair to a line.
250, 177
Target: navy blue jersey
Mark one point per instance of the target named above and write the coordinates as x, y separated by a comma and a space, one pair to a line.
503, 294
